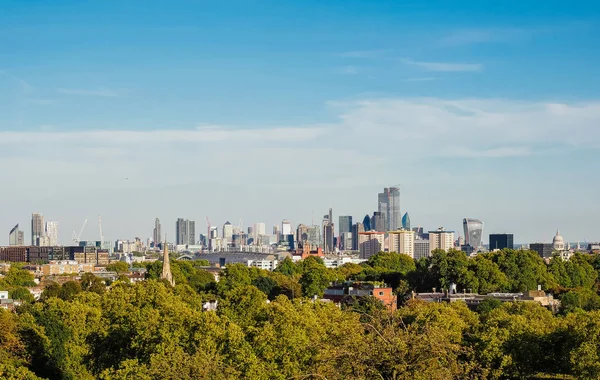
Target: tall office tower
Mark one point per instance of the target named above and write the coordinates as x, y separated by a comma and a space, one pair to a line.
356, 230
37, 228
251, 231
370, 243
543, 249
389, 207
328, 240
261, 229
406, 222
345, 225
186, 232
367, 223
277, 233
421, 248
51, 230
441, 239
473, 231
214, 232
378, 222
402, 241
302, 234
314, 236
156, 233
286, 227
228, 232
501, 241
16, 236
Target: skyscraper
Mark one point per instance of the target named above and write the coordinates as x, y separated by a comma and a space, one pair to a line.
328, 232
186, 232
37, 228
378, 222
356, 230
261, 229
345, 225
473, 232
51, 231
156, 233
402, 241
501, 241
367, 223
286, 227
406, 222
389, 208
16, 236
228, 232
302, 234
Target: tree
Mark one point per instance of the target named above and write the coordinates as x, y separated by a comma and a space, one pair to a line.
392, 262
450, 268
581, 298
315, 277
486, 276
91, 283
22, 294
525, 270
19, 277
118, 266
68, 290
574, 273
266, 285
287, 267
51, 290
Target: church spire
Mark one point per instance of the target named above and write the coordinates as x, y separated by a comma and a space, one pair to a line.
166, 272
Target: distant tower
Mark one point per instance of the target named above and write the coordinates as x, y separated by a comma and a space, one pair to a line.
166, 271
406, 222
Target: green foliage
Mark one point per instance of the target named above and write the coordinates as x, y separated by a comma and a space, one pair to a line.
91, 283
525, 270
450, 268
577, 272
118, 266
69, 289
288, 267
582, 298
17, 276
21, 294
386, 262
315, 277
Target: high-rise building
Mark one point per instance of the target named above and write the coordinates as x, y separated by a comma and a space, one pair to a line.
302, 234
51, 230
473, 232
286, 227
378, 222
16, 237
186, 232
37, 228
501, 241
389, 208
156, 233
356, 230
402, 241
406, 222
228, 232
370, 243
261, 229
441, 239
543, 249
345, 241
328, 240
421, 248
276, 233
345, 224
314, 236
367, 223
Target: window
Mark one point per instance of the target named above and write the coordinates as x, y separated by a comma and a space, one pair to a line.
381, 293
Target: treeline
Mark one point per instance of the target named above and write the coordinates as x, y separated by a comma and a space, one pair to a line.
267, 326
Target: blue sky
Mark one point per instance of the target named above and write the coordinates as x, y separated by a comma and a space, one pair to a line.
264, 110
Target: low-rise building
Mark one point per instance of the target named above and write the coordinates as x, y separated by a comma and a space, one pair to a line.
263, 264
348, 291
66, 267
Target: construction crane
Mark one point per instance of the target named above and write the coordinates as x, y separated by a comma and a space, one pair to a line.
208, 226
77, 238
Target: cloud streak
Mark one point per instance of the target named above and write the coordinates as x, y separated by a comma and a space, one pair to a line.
444, 66
103, 92
369, 54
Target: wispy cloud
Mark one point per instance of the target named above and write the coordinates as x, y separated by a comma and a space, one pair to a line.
349, 70
420, 79
105, 92
25, 86
371, 54
444, 66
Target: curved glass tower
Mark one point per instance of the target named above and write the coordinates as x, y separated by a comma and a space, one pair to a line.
406, 222
473, 232
367, 223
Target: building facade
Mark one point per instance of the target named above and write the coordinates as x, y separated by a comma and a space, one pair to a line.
501, 241
157, 233
473, 229
542, 249
356, 230
406, 222
441, 239
421, 249
370, 243
185, 232
37, 228
389, 208
16, 237
51, 231
402, 241
345, 224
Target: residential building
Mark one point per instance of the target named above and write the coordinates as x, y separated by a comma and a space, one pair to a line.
345, 224
348, 292
421, 249
51, 231
44, 241
501, 241
441, 239
263, 264
402, 241
16, 237
157, 233
370, 243
356, 230
37, 228
59, 267
473, 232
261, 228
543, 249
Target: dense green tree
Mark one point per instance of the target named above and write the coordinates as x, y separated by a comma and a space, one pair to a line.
118, 266
91, 283
486, 276
574, 273
266, 285
385, 262
18, 276
581, 298
51, 290
525, 270
22, 294
288, 267
69, 289
450, 268
315, 277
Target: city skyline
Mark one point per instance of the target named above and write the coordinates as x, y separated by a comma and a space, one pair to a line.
473, 108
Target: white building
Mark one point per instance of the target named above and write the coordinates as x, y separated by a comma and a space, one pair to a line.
286, 227
402, 241
263, 264
227, 232
370, 243
51, 230
260, 229
441, 239
558, 243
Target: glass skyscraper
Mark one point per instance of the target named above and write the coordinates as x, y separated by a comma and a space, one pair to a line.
473, 232
345, 224
389, 209
406, 222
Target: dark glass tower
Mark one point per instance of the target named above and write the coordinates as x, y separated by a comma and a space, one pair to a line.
367, 223
406, 222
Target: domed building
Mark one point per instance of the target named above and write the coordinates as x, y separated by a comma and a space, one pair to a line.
558, 243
